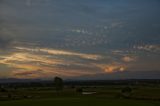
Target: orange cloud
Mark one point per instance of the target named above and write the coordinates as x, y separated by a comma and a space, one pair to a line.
48, 72
129, 59
28, 57
111, 68
25, 65
61, 52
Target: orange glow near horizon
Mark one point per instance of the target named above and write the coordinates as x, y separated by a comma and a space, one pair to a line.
28, 64
111, 68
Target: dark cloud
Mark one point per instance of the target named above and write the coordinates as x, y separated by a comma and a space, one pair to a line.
5, 42
26, 73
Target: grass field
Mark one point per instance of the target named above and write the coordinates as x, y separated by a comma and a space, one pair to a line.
79, 102
105, 96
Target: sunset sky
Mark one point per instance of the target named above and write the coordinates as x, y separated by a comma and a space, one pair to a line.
94, 39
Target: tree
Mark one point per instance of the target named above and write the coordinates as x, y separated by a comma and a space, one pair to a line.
58, 82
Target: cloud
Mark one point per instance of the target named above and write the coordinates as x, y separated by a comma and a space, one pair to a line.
112, 68
62, 52
116, 24
81, 31
29, 3
26, 73
149, 48
27, 57
24, 62
83, 42
129, 59
5, 42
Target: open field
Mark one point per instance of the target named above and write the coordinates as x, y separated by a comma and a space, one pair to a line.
79, 102
148, 95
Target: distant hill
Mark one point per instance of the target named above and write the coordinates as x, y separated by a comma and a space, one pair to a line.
15, 80
122, 75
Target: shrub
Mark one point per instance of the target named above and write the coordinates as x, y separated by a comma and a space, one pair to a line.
126, 92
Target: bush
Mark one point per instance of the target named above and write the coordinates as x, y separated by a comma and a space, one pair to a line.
3, 90
126, 92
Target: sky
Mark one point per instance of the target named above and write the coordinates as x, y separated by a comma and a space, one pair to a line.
83, 39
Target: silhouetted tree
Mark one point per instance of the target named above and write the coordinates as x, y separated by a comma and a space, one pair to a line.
58, 82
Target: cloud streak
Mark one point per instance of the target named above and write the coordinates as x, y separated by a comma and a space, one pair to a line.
26, 62
62, 52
